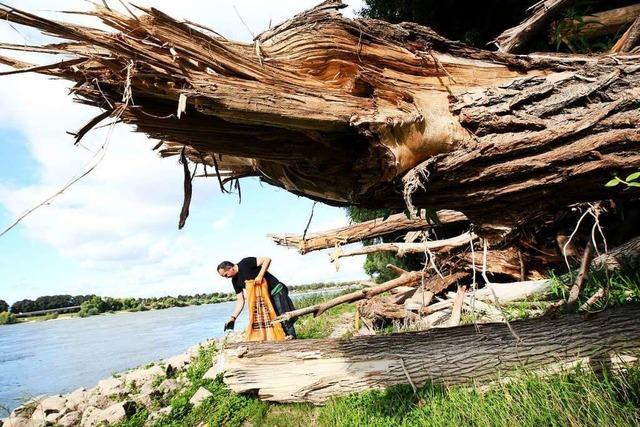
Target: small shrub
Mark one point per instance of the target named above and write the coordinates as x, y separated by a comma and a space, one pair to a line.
7, 318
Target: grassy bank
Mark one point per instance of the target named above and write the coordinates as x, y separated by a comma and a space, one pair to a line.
577, 397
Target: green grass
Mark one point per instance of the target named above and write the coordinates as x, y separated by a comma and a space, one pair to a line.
622, 287
574, 398
308, 327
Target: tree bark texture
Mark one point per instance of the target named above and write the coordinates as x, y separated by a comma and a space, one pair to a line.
315, 370
363, 112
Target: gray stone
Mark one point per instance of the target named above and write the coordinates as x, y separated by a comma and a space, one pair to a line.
23, 422
39, 416
70, 419
117, 412
147, 388
168, 386
111, 386
138, 377
145, 399
98, 400
52, 418
52, 404
76, 399
91, 417
176, 363
201, 395
212, 373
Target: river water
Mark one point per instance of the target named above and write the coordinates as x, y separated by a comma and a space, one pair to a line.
58, 356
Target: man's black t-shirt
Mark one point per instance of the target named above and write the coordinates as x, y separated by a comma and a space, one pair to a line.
248, 270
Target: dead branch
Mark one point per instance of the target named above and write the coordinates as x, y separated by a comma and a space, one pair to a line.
629, 39
456, 311
361, 231
599, 23
597, 296
401, 249
405, 279
574, 293
514, 39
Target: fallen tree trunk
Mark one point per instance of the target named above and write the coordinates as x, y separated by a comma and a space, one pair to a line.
363, 112
315, 370
361, 231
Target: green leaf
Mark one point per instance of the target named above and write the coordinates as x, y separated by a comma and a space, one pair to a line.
633, 177
633, 184
615, 181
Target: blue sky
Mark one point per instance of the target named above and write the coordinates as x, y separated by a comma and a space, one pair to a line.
115, 232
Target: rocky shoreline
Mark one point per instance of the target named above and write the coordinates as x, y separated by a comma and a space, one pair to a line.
117, 398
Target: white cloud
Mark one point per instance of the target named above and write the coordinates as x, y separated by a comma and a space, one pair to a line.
224, 222
119, 223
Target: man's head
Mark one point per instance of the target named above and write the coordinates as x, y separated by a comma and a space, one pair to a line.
227, 269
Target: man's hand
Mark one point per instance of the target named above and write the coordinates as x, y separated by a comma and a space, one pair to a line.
230, 324
258, 279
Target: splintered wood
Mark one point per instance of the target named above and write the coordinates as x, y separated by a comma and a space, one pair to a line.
349, 111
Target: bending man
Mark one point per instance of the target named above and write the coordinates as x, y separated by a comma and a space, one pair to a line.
256, 269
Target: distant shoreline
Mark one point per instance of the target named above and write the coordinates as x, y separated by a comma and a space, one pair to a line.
66, 316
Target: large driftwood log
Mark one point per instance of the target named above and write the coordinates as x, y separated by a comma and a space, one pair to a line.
315, 370
362, 112
363, 230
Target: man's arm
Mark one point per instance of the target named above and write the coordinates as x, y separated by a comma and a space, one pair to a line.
239, 305
236, 311
263, 263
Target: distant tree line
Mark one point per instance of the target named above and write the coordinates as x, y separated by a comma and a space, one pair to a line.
47, 302
92, 304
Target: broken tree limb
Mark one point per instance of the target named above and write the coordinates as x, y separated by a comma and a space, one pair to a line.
574, 293
315, 370
361, 231
401, 249
629, 39
599, 23
542, 13
456, 311
507, 292
405, 278
597, 296
379, 310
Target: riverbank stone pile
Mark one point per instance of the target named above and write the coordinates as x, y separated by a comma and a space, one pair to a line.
114, 399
